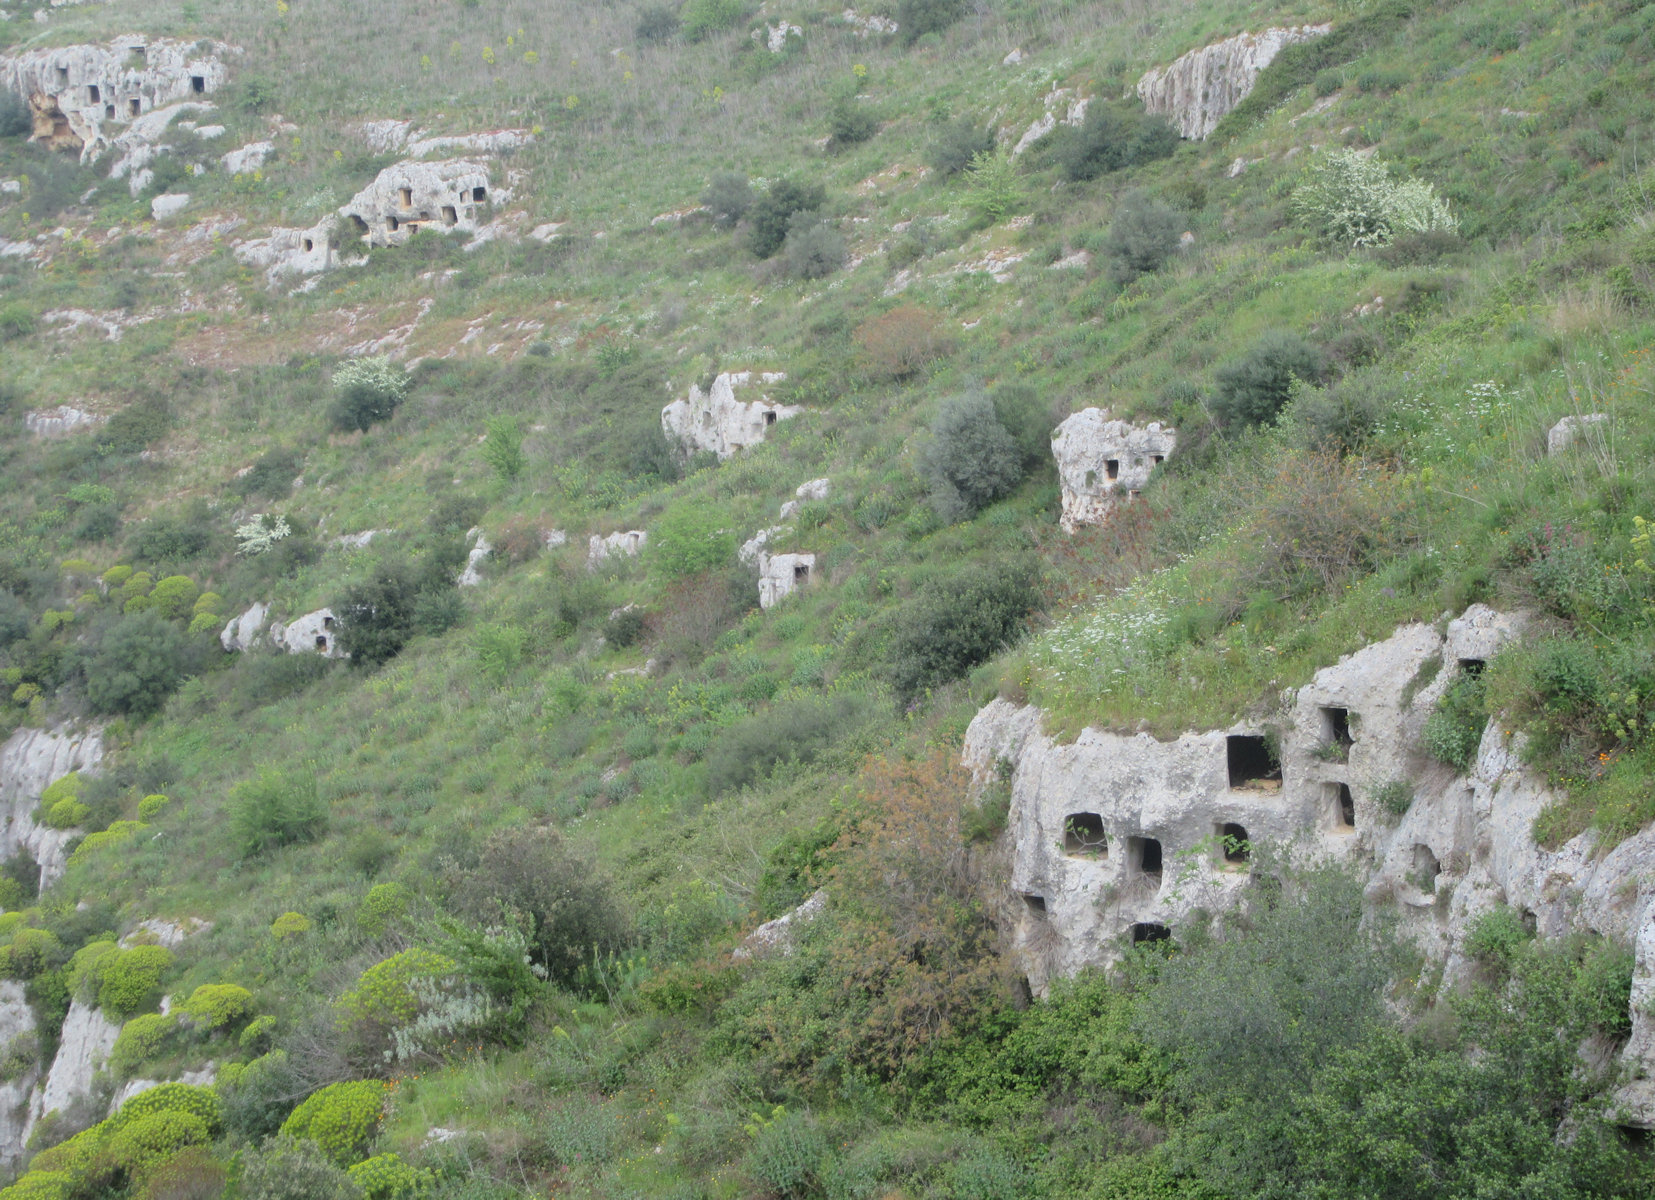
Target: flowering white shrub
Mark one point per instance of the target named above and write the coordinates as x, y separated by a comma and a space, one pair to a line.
261, 533
1354, 201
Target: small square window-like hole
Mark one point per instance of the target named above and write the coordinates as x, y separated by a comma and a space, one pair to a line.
134, 105
1084, 837
449, 215
801, 573
1251, 764
479, 194
1233, 846
1150, 931
198, 84
1035, 904
1336, 737
1341, 808
1112, 468
1143, 857
769, 418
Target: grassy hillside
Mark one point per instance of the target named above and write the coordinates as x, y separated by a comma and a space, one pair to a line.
533, 773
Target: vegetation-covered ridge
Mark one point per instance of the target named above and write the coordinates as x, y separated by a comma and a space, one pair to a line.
473, 891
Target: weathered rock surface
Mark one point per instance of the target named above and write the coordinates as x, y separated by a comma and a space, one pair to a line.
780, 575
453, 195
1198, 90
242, 632
1072, 115
247, 159
168, 205
815, 489
628, 544
1102, 462
290, 251
171, 934
30, 760
312, 633
146, 139
472, 575
60, 421
78, 95
400, 137
88, 1037
16, 1021
721, 420
1586, 427
779, 936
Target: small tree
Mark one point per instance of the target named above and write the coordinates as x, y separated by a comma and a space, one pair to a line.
994, 191
1143, 236
728, 197
971, 459
1353, 201
901, 343
139, 663
380, 615
956, 144
958, 622
366, 391
1112, 138
814, 249
503, 448
851, 123
1253, 389
276, 809
920, 17
772, 213
690, 539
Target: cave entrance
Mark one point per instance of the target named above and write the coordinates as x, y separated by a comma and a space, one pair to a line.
449, 215
1341, 808
358, 225
322, 642
1233, 844
1035, 904
405, 197
307, 245
1157, 459
198, 84
1083, 836
1426, 868
1150, 931
479, 194
1143, 858
392, 224
1472, 666
1336, 728
769, 418
801, 573
1112, 468
93, 96
109, 112
1251, 764
135, 105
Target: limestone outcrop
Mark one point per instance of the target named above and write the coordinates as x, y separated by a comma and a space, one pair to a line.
452, 195
30, 760
778, 936
60, 421
16, 1021
242, 631
313, 633
1586, 427
78, 96
627, 544
400, 137
805, 493
142, 142
472, 575
1102, 462
290, 251
1198, 90
722, 420
88, 1037
1116, 838
780, 575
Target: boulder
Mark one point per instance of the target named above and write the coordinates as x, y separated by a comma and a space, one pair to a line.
1101, 462
248, 159
168, 205
312, 633
60, 421
450, 196
780, 575
722, 420
778, 936
1570, 429
628, 544
291, 251
242, 632
1198, 90
472, 575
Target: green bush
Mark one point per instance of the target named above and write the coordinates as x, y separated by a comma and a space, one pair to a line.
139, 425
289, 924
66, 814
131, 979
814, 249
503, 447
789, 1155
140, 1040
1112, 138
626, 627
41, 1185
137, 665
342, 1119
198, 1102
378, 616
258, 1097
92, 844
1454, 729
174, 596
958, 622
795, 732
279, 808
657, 23
15, 121
151, 807
1342, 417
1394, 797
917, 18
850, 123
971, 460
1143, 236
85, 971
689, 539
385, 905
1352, 201
215, 1005
294, 1169
955, 145
140, 1146
1253, 389
31, 952
386, 1177
175, 538
728, 197
384, 994
1497, 937
703, 18
367, 391
272, 474
771, 215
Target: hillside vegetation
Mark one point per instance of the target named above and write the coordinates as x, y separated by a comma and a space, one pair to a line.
473, 891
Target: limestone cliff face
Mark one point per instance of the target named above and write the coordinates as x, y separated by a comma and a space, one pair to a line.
30, 760
1102, 462
453, 195
1117, 837
16, 1020
724, 419
1196, 91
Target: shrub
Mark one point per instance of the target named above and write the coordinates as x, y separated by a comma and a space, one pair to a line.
64, 787
341, 1119
137, 426
920, 17
533, 875
289, 924
1455, 729
1394, 797
366, 391
850, 123
503, 448
689, 539
15, 120
771, 214
1497, 937
198, 1102
385, 905
137, 665
272, 474
956, 144
814, 249
85, 972
1353, 201
174, 538
657, 23
151, 807
794, 732
31, 952
625, 627
191, 1174
728, 197
378, 616
289, 1169
215, 1005
1254, 388
1143, 236
994, 191
279, 808
93, 843
1340, 419
958, 622
901, 343
703, 18
789, 1154
174, 596
132, 979
384, 994
66, 814
140, 1040
259, 1096
17, 320
386, 1177
143, 1144
1113, 138
971, 460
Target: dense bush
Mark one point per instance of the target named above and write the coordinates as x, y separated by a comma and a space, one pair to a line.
259, 1096
814, 248
958, 622
656, 23
956, 143
790, 732
279, 808
215, 1005
131, 979
140, 1040
294, 1169
387, 1177
1143, 236
272, 474
1112, 138
850, 123
703, 18
1342, 417
788, 1155
770, 215
139, 662
1254, 388
341, 1119
367, 391
920, 17
690, 539
971, 459
728, 197
901, 343
1352, 201
377, 617
137, 426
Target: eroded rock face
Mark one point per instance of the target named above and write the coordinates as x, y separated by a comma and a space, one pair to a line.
780, 575
779, 936
30, 760
1198, 90
88, 1037
60, 421
147, 138
80, 95
16, 1021
449, 196
290, 252
313, 633
240, 634
1102, 462
628, 544
472, 575
723, 420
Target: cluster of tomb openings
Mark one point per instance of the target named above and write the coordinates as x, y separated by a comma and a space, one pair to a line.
1150, 931
1083, 835
1251, 764
1233, 843
1341, 807
1336, 728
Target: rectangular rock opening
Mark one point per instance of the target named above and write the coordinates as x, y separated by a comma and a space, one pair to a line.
327, 622
198, 84
801, 573
1035, 904
769, 418
321, 641
1233, 845
392, 224
109, 112
1472, 666
1251, 764
307, 244
92, 94
405, 197
135, 105
449, 215
63, 74
1426, 868
1336, 728
1341, 807
1143, 857
1083, 836
479, 194
1112, 468
1150, 931
358, 225
1157, 459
